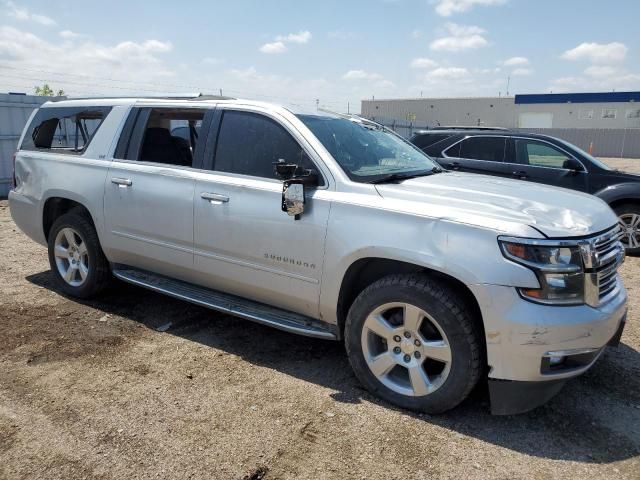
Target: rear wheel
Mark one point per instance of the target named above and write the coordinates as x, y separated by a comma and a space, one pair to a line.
414, 342
629, 221
78, 264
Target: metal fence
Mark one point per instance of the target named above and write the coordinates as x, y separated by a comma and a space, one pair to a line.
14, 113
603, 142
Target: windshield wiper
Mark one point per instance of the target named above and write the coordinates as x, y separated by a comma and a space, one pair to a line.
396, 177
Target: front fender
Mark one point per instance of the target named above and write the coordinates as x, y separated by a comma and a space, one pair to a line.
469, 254
620, 191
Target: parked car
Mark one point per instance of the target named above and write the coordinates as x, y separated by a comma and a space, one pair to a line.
333, 227
543, 159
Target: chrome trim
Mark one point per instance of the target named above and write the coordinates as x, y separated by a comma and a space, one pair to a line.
575, 351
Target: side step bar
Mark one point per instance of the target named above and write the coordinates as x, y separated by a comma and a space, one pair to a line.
222, 302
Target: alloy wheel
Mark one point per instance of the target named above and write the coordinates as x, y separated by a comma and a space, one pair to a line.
630, 225
406, 349
71, 256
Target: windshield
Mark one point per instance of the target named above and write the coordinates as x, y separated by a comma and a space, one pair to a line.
367, 151
593, 159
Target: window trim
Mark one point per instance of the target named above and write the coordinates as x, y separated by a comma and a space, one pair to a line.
514, 137
105, 110
134, 134
548, 144
444, 152
214, 134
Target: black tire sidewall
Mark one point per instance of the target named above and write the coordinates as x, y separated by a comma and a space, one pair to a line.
87, 234
461, 377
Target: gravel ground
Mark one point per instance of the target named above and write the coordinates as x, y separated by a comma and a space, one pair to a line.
92, 390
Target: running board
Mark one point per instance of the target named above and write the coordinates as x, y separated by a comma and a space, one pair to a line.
223, 302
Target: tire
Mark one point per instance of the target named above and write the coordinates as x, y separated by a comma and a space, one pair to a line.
443, 319
629, 220
91, 273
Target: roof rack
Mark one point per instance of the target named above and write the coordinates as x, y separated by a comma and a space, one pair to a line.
177, 96
465, 127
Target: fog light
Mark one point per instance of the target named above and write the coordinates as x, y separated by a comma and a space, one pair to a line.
555, 360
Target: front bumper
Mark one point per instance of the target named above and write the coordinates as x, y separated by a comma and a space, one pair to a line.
521, 337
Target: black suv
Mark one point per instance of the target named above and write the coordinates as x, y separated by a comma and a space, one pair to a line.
539, 158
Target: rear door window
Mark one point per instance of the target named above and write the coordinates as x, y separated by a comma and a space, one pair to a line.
483, 148
162, 135
64, 130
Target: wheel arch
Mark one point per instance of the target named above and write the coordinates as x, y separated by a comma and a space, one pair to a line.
365, 271
55, 206
621, 193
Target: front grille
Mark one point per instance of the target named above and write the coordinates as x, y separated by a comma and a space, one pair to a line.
602, 256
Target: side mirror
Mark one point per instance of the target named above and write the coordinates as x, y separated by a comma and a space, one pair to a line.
293, 198
573, 165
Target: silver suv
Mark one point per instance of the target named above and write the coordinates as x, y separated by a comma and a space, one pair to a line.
333, 227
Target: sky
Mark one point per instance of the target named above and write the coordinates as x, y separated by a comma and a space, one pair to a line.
329, 52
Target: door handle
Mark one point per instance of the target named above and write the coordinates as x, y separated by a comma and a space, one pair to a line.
520, 174
122, 182
455, 165
214, 198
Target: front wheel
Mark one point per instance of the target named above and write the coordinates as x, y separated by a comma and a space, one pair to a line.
413, 342
629, 221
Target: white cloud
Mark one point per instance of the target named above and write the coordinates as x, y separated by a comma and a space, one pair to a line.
23, 13
601, 71
279, 45
423, 63
446, 8
300, 37
35, 61
445, 74
68, 34
521, 72
516, 62
604, 53
417, 33
361, 75
597, 78
461, 37
273, 47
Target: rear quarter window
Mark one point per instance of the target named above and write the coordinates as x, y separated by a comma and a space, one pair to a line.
63, 130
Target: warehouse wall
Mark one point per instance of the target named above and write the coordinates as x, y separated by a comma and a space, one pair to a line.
14, 113
503, 112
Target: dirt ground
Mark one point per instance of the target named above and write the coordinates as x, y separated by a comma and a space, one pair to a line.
93, 390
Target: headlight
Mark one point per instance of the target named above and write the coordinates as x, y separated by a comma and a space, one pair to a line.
558, 268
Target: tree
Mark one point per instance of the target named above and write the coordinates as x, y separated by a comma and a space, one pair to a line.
46, 91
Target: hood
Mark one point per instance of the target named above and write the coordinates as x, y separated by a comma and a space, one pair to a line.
502, 204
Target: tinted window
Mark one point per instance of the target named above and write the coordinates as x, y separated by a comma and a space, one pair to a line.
249, 144
483, 148
64, 130
532, 152
424, 140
